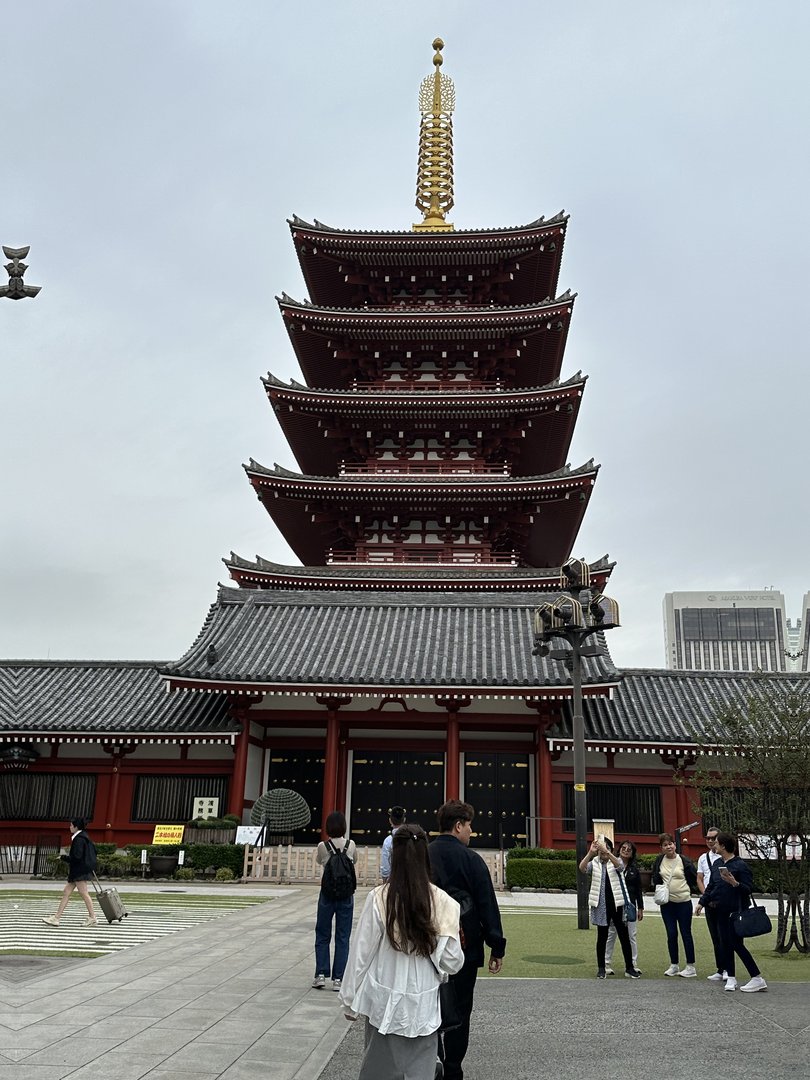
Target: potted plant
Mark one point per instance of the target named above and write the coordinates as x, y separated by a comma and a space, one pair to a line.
162, 863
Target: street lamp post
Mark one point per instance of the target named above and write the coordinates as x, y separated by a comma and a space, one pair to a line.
575, 616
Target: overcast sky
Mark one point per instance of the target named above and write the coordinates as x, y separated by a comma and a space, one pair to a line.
152, 153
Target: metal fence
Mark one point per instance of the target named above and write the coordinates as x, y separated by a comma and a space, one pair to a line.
27, 853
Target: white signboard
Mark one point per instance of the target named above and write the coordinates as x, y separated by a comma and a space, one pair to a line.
205, 807
247, 834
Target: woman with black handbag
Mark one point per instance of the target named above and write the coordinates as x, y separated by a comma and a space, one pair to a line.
729, 891
635, 901
405, 946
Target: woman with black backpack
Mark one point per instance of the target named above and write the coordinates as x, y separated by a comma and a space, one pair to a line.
337, 856
81, 862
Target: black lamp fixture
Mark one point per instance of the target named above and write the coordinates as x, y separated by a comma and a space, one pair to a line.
575, 616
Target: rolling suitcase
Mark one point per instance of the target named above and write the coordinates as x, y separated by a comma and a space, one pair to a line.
110, 902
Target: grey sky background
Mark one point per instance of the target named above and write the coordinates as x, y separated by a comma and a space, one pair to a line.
151, 155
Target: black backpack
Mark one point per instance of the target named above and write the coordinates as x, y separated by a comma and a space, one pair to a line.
339, 880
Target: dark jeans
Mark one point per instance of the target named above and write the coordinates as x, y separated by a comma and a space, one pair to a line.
714, 934
678, 916
341, 911
454, 1043
730, 944
621, 933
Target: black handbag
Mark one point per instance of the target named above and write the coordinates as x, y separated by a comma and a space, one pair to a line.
449, 1004
630, 913
751, 922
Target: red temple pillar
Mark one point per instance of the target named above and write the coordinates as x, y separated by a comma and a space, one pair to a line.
452, 777
343, 770
236, 797
111, 816
331, 755
544, 790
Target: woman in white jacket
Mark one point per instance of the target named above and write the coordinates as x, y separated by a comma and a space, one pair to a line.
405, 945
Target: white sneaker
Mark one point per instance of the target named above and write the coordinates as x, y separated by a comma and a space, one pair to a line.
51, 920
319, 982
731, 983
688, 972
336, 985
609, 971
672, 970
757, 983
717, 977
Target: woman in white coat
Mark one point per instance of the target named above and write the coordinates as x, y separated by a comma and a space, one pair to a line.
406, 944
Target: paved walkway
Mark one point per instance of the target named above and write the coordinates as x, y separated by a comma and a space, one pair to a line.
230, 1000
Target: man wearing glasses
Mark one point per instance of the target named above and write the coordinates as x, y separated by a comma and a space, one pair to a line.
706, 862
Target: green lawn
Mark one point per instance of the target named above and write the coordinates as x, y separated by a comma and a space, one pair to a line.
548, 945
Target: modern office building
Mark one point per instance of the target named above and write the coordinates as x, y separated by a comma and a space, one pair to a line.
727, 631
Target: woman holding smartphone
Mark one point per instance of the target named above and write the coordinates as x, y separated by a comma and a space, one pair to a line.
729, 890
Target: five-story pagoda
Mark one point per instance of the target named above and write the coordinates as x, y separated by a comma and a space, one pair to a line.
434, 500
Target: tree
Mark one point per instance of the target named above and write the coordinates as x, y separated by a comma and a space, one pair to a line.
753, 779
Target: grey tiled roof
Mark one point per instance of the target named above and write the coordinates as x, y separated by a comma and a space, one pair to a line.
75, 697
391, 393
476, 576
662, 706
422, 312
371, 481
296, 222
342, 642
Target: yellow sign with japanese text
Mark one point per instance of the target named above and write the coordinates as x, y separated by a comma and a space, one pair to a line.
168, 834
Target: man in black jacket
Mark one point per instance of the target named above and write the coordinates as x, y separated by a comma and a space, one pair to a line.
463, 874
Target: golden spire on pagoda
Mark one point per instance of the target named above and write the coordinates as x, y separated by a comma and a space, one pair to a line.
434, 181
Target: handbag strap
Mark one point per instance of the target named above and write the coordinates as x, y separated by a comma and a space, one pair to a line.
624, 891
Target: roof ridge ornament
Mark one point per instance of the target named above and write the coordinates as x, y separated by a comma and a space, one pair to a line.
434, 179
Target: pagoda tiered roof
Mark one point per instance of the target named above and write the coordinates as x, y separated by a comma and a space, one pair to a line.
543, 416
327, 341
263, 574
528, 256
366, 643
545, 510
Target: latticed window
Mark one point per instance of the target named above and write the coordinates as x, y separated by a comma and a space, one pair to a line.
635, 808
36, 796
167, 799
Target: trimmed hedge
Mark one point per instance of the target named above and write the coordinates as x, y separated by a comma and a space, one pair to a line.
200, 856
552, 854
535, 873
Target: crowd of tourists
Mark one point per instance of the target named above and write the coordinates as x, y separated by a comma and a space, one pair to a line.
724, 884
411, 967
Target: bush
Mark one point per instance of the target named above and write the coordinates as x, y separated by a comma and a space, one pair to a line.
184, 873
232, 856
114, 865
102, 850
536, 873
153, 849
564, 855
55, 867
224, 874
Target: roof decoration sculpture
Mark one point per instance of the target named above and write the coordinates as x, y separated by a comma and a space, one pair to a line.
16, 288
434, 181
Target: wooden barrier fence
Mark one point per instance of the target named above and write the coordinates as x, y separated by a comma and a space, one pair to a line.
285, 864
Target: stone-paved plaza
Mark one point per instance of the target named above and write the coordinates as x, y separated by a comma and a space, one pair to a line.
229, 997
